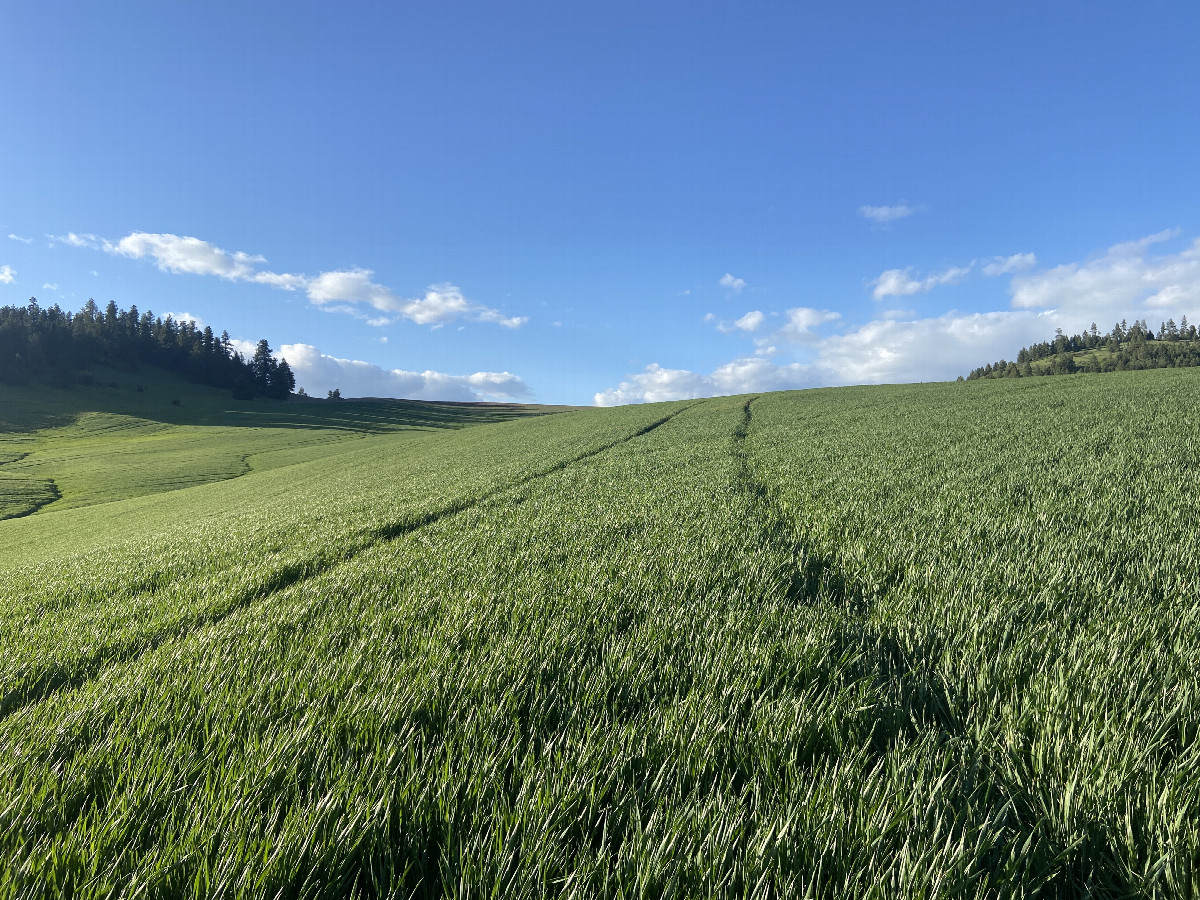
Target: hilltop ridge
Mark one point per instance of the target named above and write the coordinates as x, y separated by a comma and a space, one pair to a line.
1126, 347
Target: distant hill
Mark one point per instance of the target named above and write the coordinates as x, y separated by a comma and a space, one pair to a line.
61, 346
147, 392
143, 431
916, 635
1124, 348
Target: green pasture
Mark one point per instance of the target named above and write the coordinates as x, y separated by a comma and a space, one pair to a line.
907, 641
150, 432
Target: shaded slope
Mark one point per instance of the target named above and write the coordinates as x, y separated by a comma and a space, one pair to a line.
127, 439
830, 643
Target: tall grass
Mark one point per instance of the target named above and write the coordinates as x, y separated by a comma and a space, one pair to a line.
931, 641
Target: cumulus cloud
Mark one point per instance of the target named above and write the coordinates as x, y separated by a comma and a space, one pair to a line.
1123, 281
741, 376
1172, 296
71, 239
734, 284
335, 291
6, 274
802, 320
442, 303
932, 349
49, 287
17, 237
195, 320
884, 214
187, 255
352, 286
281, 280
900, 282
318, 373
1002, 265
246, 348
445, 302
749, 322
881, 351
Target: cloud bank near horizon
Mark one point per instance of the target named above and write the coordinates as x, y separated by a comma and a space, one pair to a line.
319, 373
1124, 282
798, 347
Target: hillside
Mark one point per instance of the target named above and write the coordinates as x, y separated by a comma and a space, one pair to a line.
146, 431
1126, 348
923, 640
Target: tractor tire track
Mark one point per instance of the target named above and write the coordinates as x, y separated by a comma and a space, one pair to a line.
55, 496
20, 692
809, 575
917, 697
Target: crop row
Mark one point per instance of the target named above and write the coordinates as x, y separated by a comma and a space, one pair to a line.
921, 641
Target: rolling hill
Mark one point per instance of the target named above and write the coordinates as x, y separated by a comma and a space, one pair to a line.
924, 640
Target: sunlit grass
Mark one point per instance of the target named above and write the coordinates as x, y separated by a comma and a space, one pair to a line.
933, 640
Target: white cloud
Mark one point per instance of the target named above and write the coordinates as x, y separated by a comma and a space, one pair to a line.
741, 376
1123, 282
733, 284
882, 351
196, 320
189, 255
17, 237
246, 348
352, 286
932, 349
281, 280
900, 283
749, 322
6, 274
802, 320
49, 287
338, 291
1172, 296
885, 214
1002, 265
318, 373
442, 303
71, 239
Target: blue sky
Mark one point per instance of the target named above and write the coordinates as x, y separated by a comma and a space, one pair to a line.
610, 203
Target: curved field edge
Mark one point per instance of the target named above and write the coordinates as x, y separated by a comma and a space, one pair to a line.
103, 443
22, 496
833, 643
92, 612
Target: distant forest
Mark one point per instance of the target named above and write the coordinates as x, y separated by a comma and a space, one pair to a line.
60, 346
1134, 346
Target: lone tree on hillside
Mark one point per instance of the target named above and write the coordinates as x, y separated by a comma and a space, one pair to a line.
273, 378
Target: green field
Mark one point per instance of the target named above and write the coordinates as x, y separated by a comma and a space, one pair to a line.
151, 432
908, 641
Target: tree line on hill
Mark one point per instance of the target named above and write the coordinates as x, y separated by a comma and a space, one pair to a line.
1134, 346
37, 342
